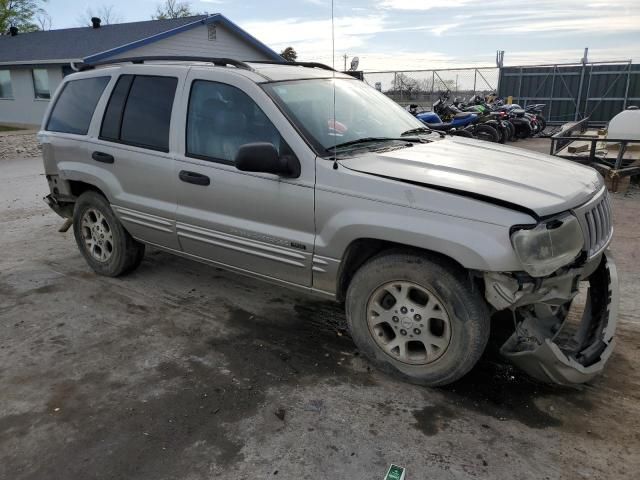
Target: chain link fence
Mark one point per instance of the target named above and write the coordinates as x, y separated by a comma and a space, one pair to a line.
423, 87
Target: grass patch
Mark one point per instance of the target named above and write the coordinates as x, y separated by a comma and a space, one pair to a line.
7, 128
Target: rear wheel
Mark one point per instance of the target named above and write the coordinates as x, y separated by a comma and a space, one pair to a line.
486, 132
543, 123
418, 317
106, 246
462, 133
512, 132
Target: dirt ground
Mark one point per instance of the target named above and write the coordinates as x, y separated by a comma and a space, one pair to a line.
184, 371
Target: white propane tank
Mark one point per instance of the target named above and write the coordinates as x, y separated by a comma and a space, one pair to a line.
625, 125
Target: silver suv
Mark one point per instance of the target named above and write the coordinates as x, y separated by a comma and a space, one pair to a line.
311, 179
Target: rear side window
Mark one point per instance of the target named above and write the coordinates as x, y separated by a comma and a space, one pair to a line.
139, 111
74, 107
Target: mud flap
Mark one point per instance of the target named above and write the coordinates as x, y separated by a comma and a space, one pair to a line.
535, 346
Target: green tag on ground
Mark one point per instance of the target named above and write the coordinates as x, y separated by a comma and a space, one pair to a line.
395, 473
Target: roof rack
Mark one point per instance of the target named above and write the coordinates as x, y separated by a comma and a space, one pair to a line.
296, 64
219, 62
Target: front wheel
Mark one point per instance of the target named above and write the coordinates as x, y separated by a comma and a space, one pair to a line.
104, 243
417, 316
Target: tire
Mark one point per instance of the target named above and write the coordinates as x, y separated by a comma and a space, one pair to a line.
462, 133
543, 123
104, 243
524, 131
486, 132
512, 132
461, 329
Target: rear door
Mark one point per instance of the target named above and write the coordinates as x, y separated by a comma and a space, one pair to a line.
134, 146
254, 222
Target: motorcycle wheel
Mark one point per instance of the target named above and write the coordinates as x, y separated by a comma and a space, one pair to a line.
542, 122
512, 131
525, 131
486, 133
462, 133
504, 133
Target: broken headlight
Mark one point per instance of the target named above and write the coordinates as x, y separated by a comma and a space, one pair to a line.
549, 245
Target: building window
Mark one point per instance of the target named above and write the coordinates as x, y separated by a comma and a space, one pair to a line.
41, 83
211, 31
5, 84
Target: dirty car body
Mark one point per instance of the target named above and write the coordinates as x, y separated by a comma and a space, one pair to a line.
528, 229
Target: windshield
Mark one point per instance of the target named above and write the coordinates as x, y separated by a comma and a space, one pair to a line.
361, 111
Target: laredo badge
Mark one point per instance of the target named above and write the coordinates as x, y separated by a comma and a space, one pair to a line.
395, 473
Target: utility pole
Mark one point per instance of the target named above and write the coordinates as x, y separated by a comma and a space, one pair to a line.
345, 56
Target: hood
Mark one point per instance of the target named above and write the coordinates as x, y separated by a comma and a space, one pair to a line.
535, 182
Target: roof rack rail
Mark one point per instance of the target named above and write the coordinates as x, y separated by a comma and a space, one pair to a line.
297, 64
219, 62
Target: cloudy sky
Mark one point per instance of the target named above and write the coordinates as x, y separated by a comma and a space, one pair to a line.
407, 34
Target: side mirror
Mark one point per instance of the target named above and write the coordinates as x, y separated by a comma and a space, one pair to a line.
263, 157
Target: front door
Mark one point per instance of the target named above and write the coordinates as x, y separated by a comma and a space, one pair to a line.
253, 222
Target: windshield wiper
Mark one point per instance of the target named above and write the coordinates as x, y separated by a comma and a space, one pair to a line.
364, 140
416, 130
375, 139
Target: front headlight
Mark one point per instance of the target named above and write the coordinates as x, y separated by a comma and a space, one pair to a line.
548, 246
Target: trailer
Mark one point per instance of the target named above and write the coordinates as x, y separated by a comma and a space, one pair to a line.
614, 152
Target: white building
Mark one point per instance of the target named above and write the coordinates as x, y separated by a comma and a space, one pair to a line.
33, 64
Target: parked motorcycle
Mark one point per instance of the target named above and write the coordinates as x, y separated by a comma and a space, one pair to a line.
457, 126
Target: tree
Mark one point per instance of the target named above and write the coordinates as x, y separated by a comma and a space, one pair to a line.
44, 21
289, 54
107, 14
20, 14
172, 9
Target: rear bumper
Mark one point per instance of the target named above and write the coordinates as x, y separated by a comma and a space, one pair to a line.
542, 347
62, 205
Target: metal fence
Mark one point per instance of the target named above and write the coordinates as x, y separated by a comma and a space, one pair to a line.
423, 87
597, 90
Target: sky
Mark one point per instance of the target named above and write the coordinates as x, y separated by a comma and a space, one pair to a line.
412, 34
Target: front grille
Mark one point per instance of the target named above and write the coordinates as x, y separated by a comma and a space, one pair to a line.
596, 221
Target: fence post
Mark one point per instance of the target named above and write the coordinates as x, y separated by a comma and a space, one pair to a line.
553, 86
433, 84
579, 100
626, 89
475, 75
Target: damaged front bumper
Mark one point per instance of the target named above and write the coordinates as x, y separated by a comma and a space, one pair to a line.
548, 343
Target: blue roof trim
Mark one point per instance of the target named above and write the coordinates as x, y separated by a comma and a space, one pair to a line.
219, 18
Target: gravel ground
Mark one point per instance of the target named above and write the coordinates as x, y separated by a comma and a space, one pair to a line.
22, 144
183, 371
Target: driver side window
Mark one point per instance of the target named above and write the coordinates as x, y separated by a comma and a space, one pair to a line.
222, 118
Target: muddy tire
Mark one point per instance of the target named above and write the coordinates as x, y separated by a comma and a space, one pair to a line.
104, 243
417, 316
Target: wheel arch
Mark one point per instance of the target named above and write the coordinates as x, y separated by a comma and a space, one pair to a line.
361, 250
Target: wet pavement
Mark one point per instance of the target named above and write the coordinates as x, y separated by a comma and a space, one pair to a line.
181, 370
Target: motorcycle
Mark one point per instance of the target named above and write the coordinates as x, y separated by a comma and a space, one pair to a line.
457, 126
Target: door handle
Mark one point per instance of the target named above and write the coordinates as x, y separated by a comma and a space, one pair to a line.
195, 178
102, 157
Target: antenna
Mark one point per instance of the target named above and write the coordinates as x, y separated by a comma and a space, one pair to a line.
333, 60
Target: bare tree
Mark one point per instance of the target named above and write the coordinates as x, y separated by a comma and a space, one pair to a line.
43, 19
172, 9
106, 13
